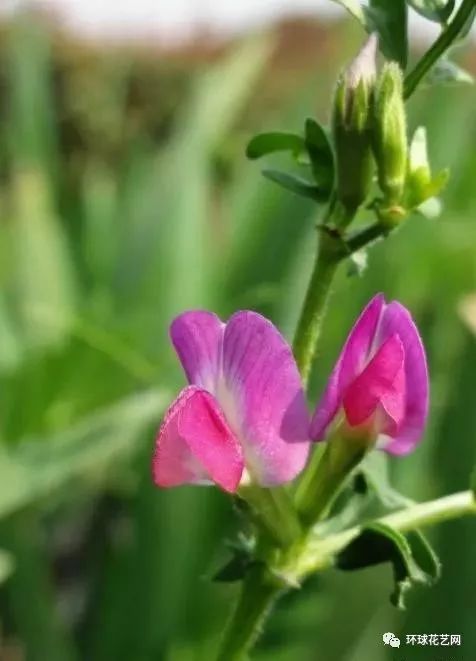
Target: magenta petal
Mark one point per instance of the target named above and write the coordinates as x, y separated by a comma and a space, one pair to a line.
197, 338
397, 319
263, 399
379, 389
351, 361
195, 444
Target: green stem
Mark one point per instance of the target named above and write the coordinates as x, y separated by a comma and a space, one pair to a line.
258, 595
444, 41
366, 236
433, 511
260, 591
313, 311
318, 553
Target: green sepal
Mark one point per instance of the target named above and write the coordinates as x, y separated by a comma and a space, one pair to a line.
272, 142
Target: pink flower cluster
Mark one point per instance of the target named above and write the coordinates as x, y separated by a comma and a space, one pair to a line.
244, 415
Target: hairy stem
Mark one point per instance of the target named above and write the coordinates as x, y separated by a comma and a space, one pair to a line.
258, 595
441, 45
318, 553
315, 303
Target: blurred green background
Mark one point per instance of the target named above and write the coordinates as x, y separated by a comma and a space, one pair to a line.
125, 198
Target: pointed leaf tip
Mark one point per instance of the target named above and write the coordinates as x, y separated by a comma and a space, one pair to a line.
272, 142
296, 185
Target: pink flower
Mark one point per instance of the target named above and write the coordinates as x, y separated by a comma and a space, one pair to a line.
380, 382
244, 414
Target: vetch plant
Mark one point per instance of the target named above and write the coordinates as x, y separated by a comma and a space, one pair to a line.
306, 484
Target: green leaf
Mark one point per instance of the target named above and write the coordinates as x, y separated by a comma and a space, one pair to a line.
424, 555
320, 152
368, 496
434, 10
354, 8
447, 72
379, 543
374, 476
467, 26
296, 185
389, 20
274, 141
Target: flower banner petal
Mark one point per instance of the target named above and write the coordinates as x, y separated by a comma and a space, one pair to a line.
263, 400
197, 337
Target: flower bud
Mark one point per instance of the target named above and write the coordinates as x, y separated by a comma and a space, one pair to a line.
390, 133
351, 123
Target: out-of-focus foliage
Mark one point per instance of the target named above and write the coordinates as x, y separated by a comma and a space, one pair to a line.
126, 197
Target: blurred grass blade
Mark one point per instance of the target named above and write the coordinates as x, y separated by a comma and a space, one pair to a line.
29, 472
10, 345
42, 271
7, 565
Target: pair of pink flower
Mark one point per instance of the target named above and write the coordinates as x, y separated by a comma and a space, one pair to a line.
244, 415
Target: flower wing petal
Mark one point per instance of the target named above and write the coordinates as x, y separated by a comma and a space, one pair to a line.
195, 444
263, 398
397, 319
350, 363
197, 337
